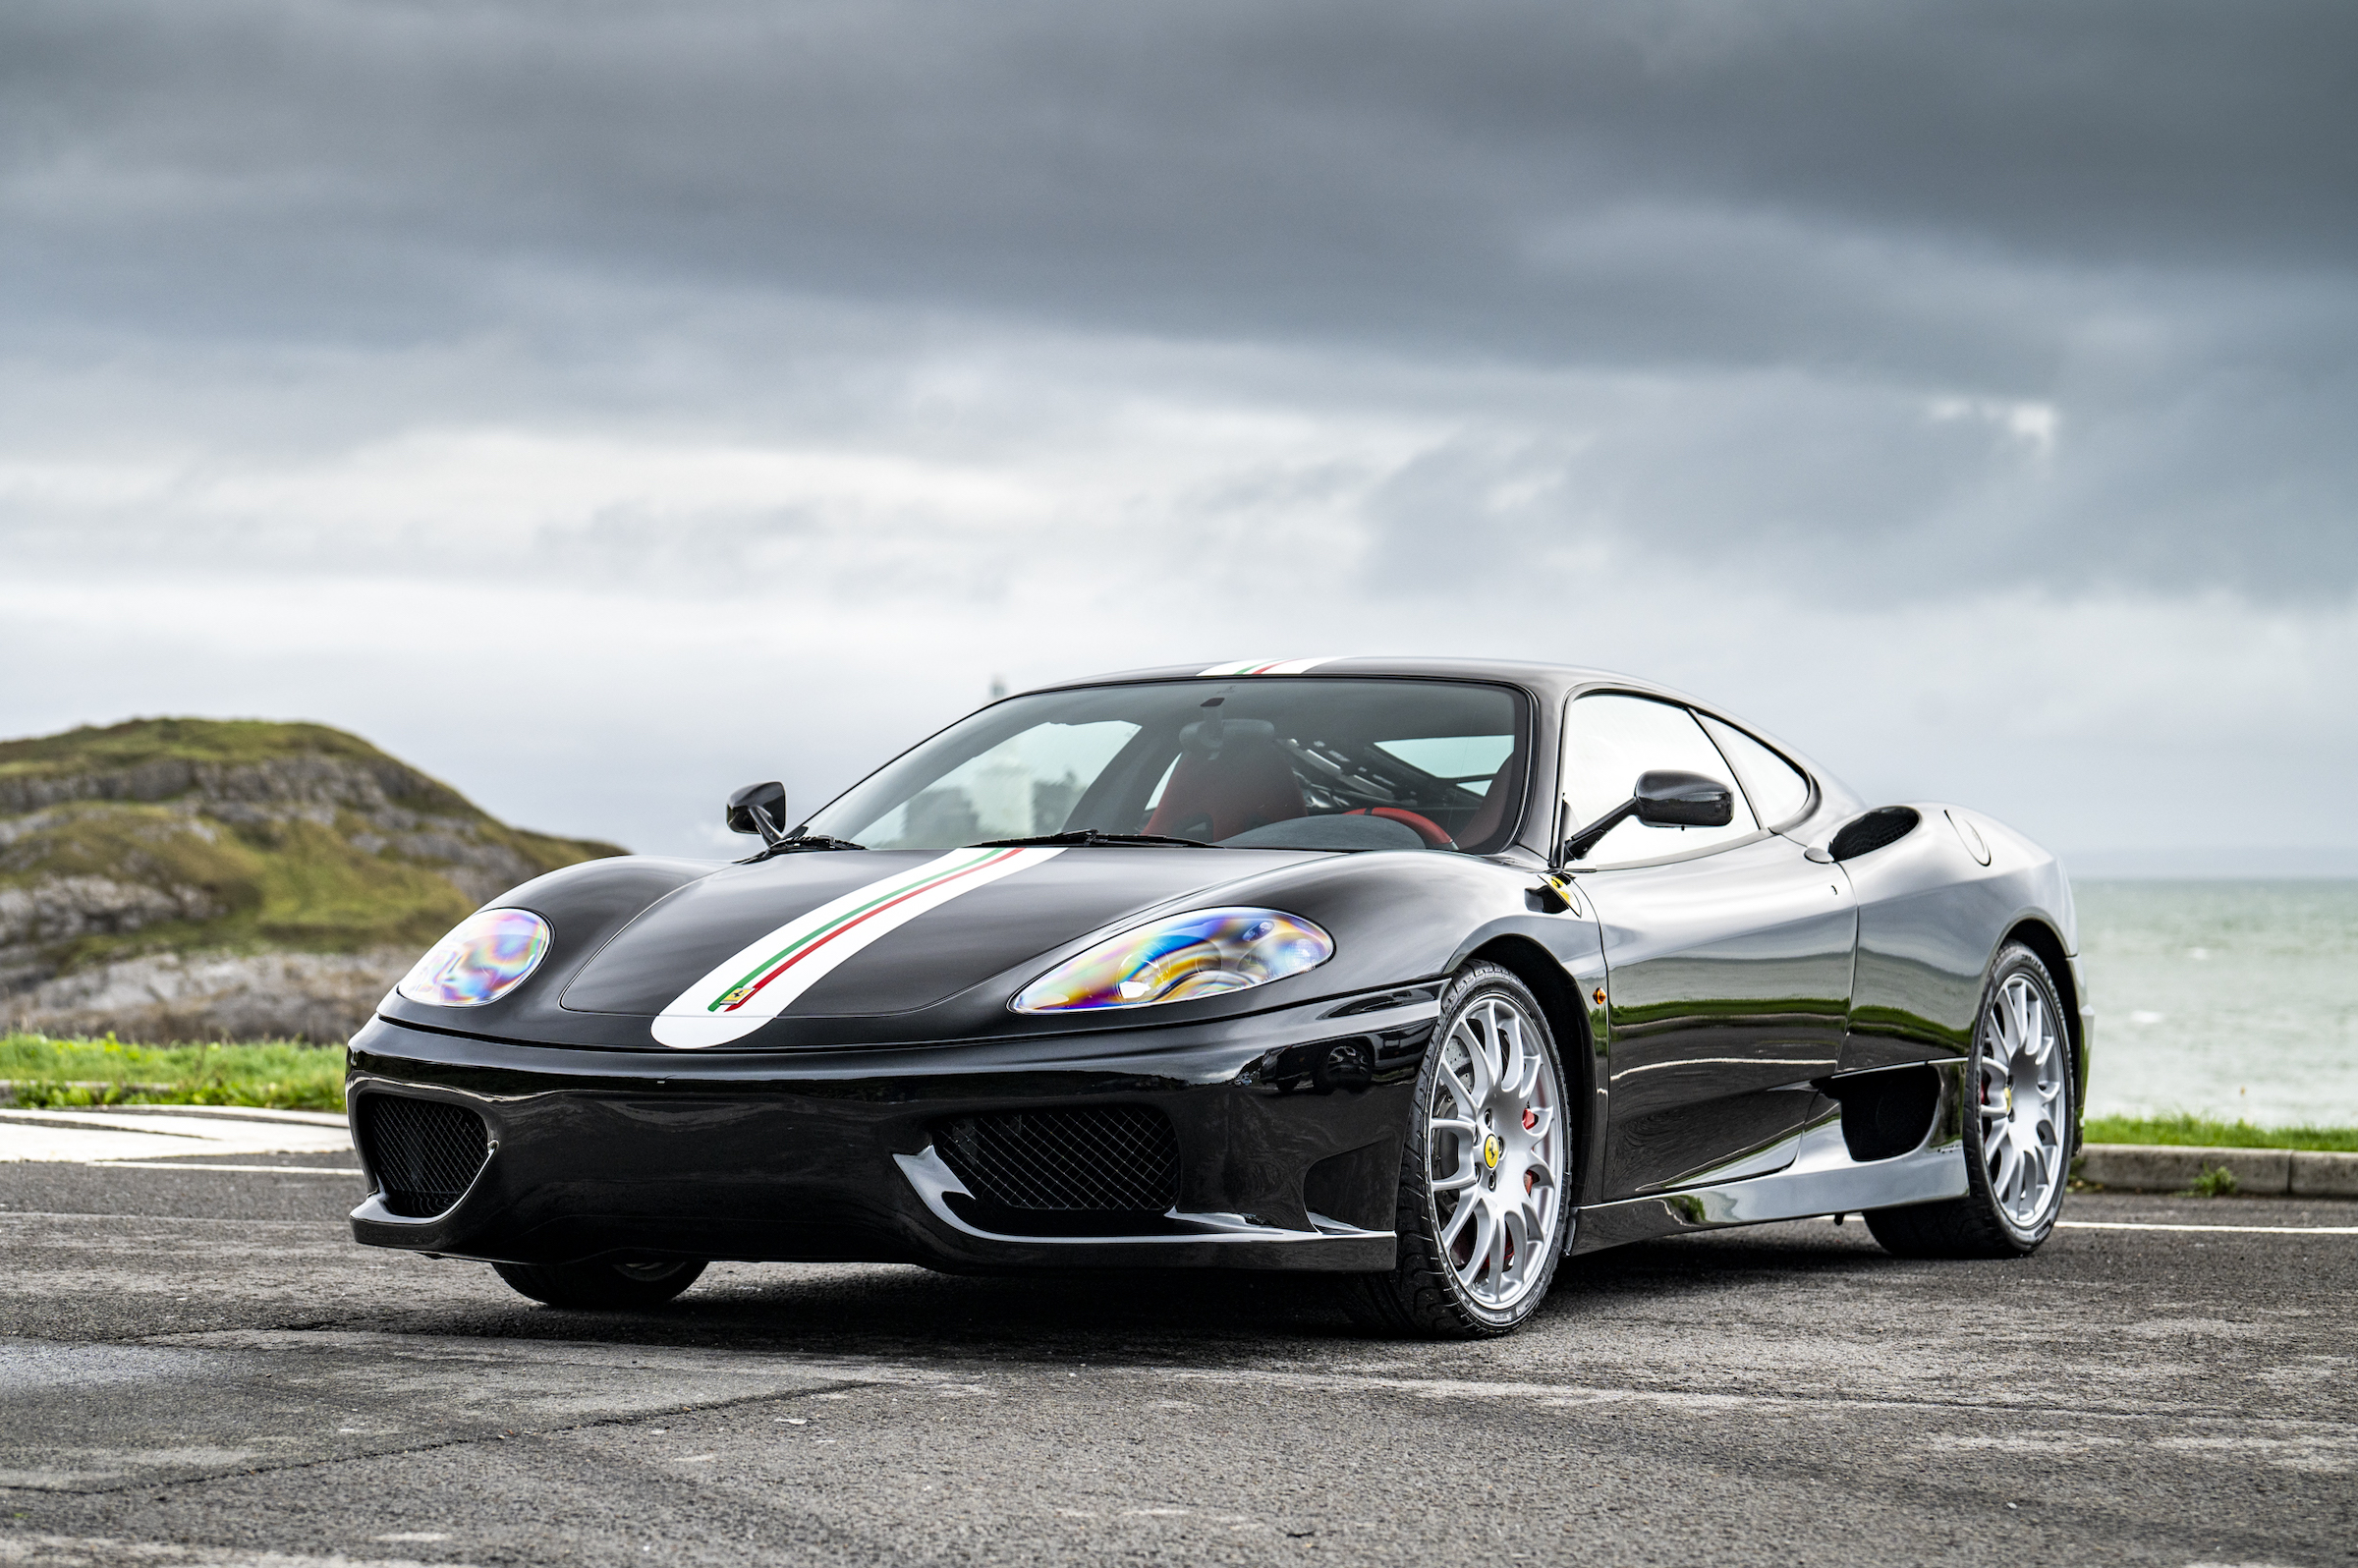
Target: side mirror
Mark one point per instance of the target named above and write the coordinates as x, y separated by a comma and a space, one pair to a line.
1684, 800
760, 809
1663, 799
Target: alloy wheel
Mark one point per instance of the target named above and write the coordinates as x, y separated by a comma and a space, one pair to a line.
2019, 1073
1495, 1163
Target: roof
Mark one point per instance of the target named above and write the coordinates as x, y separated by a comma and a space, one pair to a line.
1539, 677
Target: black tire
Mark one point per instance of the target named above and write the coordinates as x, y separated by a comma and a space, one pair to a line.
1979, 1224
1423, 1296
601, 1287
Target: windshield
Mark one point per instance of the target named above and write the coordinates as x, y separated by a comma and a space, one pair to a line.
1260, 762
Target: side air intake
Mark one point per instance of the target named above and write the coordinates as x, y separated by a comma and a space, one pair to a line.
1093, 1159
426, 1152
1863, 835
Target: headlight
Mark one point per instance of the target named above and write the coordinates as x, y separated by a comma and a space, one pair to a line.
484, 957
1198, 954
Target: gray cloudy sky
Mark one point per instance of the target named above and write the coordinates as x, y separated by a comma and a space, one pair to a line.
601, 404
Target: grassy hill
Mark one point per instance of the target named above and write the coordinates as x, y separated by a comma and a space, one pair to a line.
145, 863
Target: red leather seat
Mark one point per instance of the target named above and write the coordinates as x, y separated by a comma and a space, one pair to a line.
1247, 783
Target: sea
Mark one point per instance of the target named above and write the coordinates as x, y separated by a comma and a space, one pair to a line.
2228, 999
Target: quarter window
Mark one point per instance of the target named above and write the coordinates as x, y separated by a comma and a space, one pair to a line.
1609, 739
1780, 791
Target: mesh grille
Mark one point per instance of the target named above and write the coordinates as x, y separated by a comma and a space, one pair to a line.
1102, 1158
426, 1152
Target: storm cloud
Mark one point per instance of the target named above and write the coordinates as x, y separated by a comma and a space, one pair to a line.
1908, 375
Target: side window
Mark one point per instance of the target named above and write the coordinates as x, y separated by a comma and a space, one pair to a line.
1780, 791
1609, 741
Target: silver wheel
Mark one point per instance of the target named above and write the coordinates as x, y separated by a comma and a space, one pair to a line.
2020, 1119
1496, 1160
2019, 1071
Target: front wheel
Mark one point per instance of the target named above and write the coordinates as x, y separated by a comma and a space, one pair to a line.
2018, 1122
1481, 1208
602, 1286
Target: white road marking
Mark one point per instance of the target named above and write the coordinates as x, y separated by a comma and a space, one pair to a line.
19, 1547
2239, 1230
103, 1134
190, 1164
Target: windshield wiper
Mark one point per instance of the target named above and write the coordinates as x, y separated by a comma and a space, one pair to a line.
799, 842
1089, 835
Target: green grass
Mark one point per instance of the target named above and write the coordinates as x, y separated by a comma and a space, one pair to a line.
138, 741
285, 1074
2202, 1132
2215, 1181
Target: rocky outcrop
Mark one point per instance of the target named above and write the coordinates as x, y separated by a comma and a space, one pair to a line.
174, 997
181, 878
275, 782
62, 908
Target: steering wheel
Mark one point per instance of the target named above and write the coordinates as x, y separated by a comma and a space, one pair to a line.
1425, 827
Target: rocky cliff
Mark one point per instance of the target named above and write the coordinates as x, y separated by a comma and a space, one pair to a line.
205, 879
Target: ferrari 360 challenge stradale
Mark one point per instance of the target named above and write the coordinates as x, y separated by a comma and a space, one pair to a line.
1426, 974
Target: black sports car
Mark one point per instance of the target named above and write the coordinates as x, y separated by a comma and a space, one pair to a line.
1424, 973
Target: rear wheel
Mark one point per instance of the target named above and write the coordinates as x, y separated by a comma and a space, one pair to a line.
2018, 1121
1480, 1211
607, 1286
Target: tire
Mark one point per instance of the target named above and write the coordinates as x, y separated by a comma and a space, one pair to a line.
1473, 1261
607, 1287
2018, 1125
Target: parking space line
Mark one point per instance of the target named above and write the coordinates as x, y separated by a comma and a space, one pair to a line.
2239, 1230
196, 1164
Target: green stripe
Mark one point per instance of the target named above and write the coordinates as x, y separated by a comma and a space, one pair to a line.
808, 938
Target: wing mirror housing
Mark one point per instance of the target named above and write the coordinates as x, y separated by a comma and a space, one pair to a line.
1684, 800
1662, 798
760, 809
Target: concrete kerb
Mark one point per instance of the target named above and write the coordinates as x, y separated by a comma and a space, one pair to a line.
2257, 1172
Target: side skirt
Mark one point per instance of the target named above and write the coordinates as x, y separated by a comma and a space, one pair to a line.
1822, 1180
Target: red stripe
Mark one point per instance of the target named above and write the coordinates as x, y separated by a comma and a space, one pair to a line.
939, 882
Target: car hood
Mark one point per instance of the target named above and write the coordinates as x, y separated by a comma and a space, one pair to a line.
883, 931
638, 944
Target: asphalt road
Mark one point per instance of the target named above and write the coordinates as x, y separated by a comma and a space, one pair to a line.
200, 1368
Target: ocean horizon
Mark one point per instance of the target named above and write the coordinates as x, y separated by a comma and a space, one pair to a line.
2235, 997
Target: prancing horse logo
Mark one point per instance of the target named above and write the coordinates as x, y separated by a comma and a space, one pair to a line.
1493, 1151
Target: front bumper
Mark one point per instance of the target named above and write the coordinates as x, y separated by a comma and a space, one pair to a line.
818, 1155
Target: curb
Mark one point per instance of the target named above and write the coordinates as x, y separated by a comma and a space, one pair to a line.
2259, 1172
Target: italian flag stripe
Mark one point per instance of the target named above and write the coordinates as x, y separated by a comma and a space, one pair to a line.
803, 946
1266, 667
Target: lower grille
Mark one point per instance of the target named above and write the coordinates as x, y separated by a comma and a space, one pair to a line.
426, 1152
1101, 1158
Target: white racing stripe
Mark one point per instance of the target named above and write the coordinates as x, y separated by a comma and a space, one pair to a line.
2238, 1230
758, 982
1269, 666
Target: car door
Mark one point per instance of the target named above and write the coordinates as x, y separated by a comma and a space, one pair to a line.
1728, 959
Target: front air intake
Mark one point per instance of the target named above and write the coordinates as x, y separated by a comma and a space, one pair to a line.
1096, 1159
426, 1152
